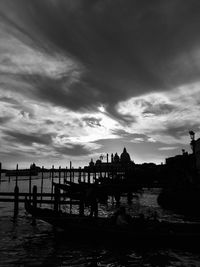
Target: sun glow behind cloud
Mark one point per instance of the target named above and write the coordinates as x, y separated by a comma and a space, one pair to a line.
82, 78
41, 130
44, 131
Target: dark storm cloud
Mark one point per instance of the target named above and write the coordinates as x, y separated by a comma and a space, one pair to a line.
92, 122
73, 150
9, 100
13, 155
124, 119
178, 131
127, 47
29, 138
157, 108
75, 96
129, 136
49, 122
23, 109
5, 119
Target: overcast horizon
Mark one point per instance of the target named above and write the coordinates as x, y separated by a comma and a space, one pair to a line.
83, 78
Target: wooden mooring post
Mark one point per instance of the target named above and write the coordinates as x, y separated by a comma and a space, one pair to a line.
59, 174
52, 180
73, 175
16, 200
56, 199
34, 203
34, 196
16, 195
70, 171
42, 178
16, 180
65, 175
30, 184
79, 175
0, 171
84, 177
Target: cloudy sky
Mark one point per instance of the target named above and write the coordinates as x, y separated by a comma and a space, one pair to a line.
81, 78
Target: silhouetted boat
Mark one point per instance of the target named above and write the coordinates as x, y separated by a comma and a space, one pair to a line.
109, 188
102, 191
137, 231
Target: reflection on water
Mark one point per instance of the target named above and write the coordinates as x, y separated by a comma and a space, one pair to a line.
22, 244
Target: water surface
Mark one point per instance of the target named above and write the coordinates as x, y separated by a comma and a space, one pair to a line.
24, 244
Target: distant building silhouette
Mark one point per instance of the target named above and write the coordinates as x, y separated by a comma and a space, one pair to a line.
179, 161
125, 157
187, 165
182, 191
117, 162
34, 167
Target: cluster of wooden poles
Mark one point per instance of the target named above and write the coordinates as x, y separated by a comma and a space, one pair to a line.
55, 196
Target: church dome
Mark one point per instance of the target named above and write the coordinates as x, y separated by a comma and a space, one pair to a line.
125, 157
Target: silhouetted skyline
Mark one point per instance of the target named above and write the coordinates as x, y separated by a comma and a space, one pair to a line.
83, 78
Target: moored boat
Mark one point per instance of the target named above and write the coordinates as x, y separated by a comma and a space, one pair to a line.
104, 228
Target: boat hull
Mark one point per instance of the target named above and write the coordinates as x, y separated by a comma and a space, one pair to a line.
137, 232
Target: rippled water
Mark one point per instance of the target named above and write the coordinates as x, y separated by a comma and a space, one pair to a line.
23, 244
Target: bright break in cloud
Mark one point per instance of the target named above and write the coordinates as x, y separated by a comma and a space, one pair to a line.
79, 78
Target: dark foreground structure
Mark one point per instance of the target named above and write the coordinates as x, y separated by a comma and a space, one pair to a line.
182, 192
138, 230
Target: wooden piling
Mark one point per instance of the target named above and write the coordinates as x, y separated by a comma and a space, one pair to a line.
52, 179
59, 174
34, 203
16, 200
16, 181
84, 177
30, 182
79, 175
81, 207
66, 173
95, 176
0, 171
59, 181
52, 175
70, 171
42, 184
34, 196
56, 198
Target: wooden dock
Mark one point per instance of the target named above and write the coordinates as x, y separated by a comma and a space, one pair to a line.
47, 198
54, 197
